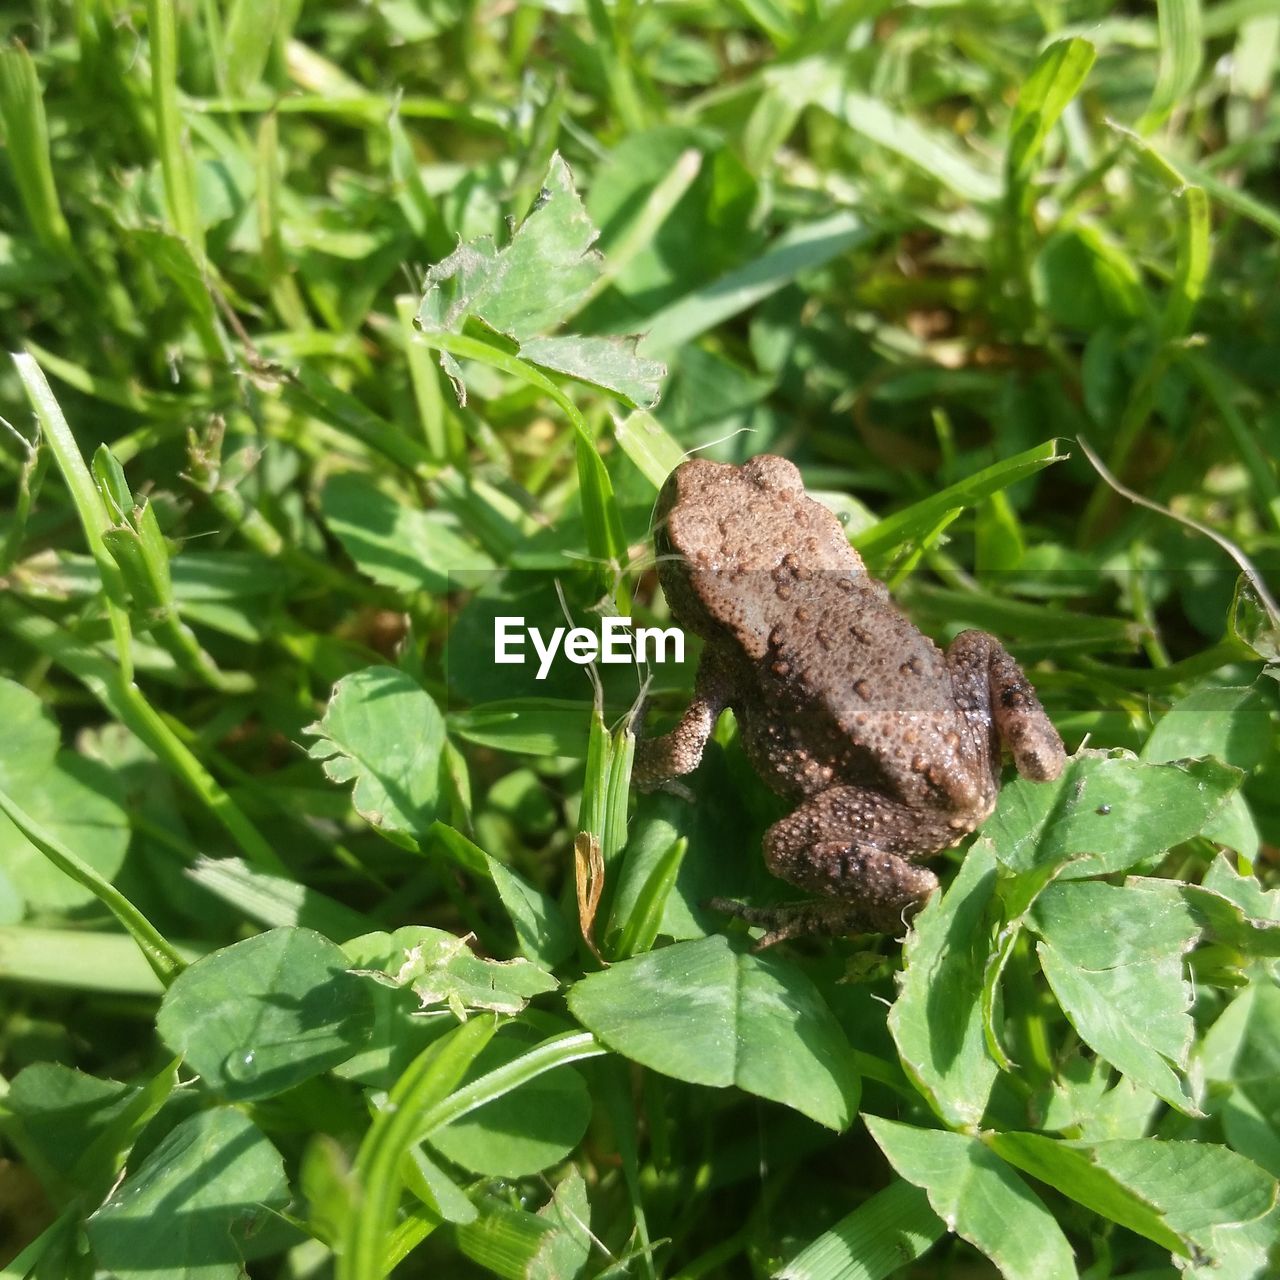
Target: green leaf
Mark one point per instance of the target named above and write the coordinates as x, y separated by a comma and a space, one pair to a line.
1114, 958
547, 1055
717, 822
176, 258
608, 363
384, 731
1228, 722
675, 206
76, 1130
701, 1012
394, 544
460, 850
76, 800
316, 396
1191, 270
1232, 909
59, 1113
25, 265
1083, 1101
57, 434
31, 736
569, 1211
1237, 199
161, 956
936, 1020
528, 726
1174, 1193
251, 30
552, 1244
1241, 1057
1047, 626
524, 1131
643, 922
81, 961
1107, 812
927, 149
530, 286
265, 1014
544, 935
979, 1198
399, 1031
276, 900
436, 1189
1258, 905
605, 788
1239, 1252
175, 157
227, 577
192, 1208
1232, 725
1084, 282
601, 518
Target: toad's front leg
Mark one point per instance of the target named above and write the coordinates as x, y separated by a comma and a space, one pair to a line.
674, 754
855, 846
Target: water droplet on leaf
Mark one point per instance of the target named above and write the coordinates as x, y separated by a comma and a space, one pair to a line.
242, 1067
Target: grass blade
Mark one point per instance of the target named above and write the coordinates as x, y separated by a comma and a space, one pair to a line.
77, 960
27, 140
891, 533
1056, 78
1233, 198
891, 1230
606, 541
803, 247
1181, 54
250, 33
175, 155
429, 1079
558, 1051
930, 152
84, 494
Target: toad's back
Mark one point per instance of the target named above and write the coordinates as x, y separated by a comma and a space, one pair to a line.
831, 683
846, 680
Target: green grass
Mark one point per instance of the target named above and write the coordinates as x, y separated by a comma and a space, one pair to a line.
281, 436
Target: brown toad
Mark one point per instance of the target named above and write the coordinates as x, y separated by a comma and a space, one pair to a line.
890, 746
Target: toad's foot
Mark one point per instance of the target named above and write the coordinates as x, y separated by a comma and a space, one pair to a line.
827, 919
858, 846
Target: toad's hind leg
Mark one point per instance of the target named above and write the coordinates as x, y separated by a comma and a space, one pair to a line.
988, 682
855, 846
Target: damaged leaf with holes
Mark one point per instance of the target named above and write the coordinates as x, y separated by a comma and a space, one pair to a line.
445, 973
532, 286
